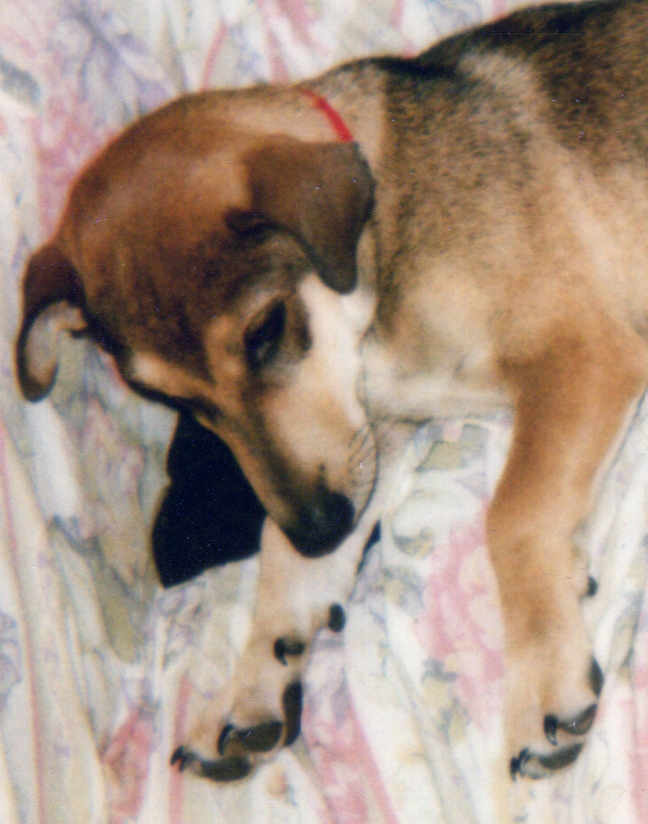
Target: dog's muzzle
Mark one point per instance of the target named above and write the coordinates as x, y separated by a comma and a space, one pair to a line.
322, 525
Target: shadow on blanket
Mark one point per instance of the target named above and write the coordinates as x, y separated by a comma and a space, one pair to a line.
210, 514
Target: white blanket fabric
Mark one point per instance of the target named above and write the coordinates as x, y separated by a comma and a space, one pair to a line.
99, 668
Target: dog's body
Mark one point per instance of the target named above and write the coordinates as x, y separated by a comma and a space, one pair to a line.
481, 242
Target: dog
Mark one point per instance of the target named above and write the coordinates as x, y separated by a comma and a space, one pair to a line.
312, 269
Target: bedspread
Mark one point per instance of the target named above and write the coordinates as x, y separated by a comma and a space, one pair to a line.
100, 668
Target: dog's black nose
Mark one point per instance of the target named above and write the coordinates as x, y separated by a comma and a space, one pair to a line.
322, 525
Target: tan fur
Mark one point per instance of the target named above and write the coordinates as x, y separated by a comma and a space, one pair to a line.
492, 211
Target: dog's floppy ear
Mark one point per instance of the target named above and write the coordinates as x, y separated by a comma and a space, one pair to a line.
52, 301
320, 192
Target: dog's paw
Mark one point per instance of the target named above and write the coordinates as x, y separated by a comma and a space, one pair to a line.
239, 749
550, 713
259, 712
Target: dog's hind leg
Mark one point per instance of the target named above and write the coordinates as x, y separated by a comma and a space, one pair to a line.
571, 403
260, 710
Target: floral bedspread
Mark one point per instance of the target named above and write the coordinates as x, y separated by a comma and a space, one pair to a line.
99, 667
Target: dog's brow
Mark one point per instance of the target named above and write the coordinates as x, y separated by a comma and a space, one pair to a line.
156, 375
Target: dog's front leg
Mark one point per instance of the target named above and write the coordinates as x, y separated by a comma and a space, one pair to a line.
571, 403
260, 710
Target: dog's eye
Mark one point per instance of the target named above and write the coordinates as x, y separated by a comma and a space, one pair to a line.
262, 342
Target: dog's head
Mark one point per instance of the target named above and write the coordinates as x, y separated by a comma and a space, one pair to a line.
213, 264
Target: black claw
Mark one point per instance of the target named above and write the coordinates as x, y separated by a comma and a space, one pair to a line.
337, 618
538, 766
224, 737
292, 706
596, 678
221, 769
262, 738
286, 646
230, 768
518, 762
561, 758
581, 724
592, 586
551, 728
182, 757
577, 726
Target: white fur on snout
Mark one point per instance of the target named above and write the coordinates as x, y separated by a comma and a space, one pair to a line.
319, 417
336, 323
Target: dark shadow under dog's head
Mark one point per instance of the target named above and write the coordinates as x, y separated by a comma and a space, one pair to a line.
213, 264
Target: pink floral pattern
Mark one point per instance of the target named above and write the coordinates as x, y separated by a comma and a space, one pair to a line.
127, 758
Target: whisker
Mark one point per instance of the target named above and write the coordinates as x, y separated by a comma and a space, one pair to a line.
366, 451
361, 437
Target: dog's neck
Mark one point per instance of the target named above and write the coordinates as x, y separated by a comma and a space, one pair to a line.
336, 120
356, 95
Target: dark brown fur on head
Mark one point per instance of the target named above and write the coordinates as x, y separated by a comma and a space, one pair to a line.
162, 229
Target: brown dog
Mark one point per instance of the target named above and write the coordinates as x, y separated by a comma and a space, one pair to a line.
482, 240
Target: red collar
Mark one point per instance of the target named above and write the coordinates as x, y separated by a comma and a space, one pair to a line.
334, 117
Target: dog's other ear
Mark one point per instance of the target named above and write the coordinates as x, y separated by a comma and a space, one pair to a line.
52, 301
320, 192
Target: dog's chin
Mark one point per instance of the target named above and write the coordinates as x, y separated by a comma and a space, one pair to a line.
320, 527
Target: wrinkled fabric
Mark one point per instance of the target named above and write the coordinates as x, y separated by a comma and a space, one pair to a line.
99, 668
